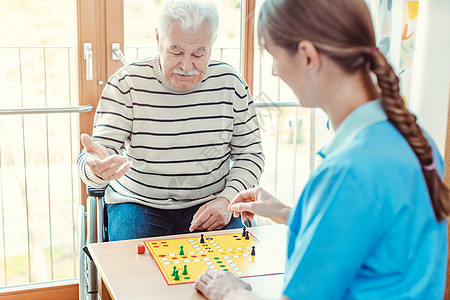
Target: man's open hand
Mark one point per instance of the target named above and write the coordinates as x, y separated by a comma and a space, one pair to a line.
102, 164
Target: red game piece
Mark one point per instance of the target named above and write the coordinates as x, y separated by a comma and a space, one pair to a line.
140, 249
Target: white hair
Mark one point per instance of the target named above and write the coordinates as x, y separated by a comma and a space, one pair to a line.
190, 15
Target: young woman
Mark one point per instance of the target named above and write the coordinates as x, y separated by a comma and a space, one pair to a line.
369, 223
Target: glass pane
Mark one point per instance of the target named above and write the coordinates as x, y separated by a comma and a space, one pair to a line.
291, 136
38, 188
140, 23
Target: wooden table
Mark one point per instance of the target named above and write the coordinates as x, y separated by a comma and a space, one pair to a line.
128, 275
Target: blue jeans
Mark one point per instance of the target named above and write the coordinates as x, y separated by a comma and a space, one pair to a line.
133, 221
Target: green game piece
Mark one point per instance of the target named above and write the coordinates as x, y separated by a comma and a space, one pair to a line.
181, 250
174, 269
176, 276
184, 270
187, 277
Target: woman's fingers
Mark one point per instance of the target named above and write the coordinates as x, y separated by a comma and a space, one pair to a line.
245, 196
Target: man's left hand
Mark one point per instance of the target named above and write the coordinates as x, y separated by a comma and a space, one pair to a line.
213, 215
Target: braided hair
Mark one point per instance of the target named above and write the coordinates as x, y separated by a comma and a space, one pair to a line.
406, 124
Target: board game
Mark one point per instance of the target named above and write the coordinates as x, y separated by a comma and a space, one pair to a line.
183, 260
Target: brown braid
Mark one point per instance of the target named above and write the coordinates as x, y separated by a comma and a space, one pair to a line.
406, 124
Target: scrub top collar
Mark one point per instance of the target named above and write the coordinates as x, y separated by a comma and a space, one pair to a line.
359, 119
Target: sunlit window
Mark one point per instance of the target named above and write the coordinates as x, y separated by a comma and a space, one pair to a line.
291, 134
38, 186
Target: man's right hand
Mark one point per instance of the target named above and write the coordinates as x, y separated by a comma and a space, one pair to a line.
102, 164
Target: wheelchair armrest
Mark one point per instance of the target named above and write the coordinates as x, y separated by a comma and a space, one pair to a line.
96, 192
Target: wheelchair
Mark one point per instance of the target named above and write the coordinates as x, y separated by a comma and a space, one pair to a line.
93, 229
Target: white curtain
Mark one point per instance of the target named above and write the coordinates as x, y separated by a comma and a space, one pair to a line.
395, 23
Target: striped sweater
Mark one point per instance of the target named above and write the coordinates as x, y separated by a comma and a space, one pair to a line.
185, 147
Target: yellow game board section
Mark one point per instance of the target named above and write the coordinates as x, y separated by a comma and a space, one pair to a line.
229, 252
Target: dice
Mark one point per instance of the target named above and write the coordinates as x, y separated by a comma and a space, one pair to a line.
140, 249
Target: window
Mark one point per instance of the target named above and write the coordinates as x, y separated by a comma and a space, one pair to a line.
291, 135
38, 185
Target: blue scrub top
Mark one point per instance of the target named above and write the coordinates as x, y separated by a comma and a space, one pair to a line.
364, 226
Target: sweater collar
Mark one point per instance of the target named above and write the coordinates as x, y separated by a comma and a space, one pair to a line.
359, 119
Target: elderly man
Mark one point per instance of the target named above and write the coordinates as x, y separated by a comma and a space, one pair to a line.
176, 136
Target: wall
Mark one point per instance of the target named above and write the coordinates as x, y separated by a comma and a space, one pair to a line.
431, 77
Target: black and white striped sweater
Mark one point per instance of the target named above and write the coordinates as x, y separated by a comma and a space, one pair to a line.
185, 147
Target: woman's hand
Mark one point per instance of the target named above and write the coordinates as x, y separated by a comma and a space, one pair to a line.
259, 202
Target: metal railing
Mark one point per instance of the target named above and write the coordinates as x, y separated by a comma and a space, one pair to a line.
39, 140
46, 110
